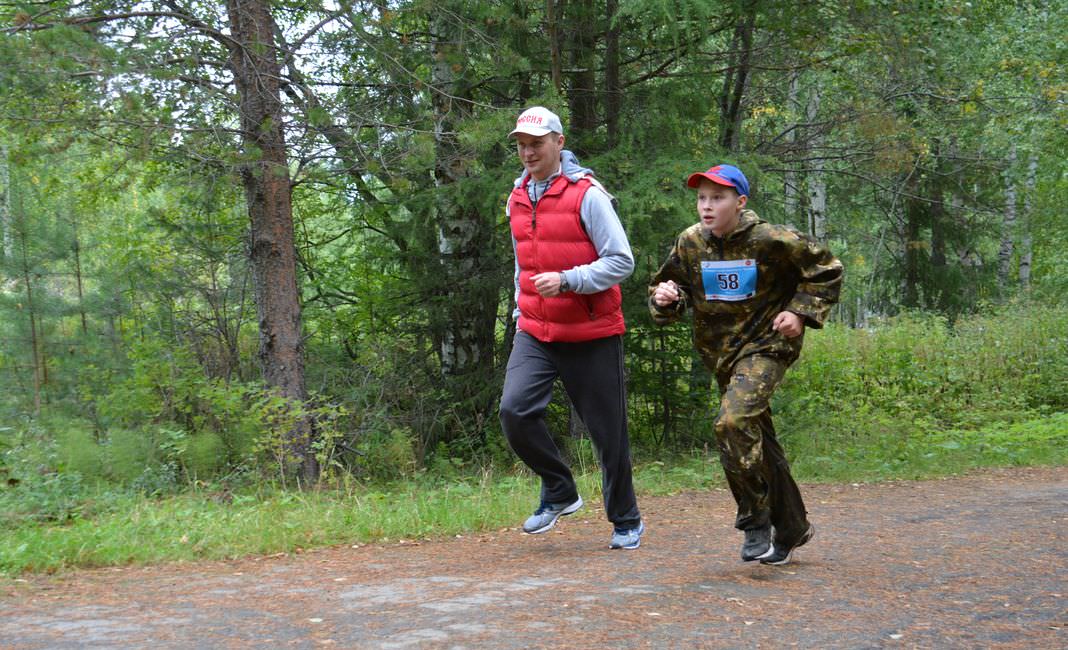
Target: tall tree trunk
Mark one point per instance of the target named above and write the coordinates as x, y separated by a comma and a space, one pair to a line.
581, 20
78, 277
19, 230
914, 216
552, 19
737, 81
937, 193
613, 95
465, 329
36, 351
817, 185
1008, 224
790, 190
1026, 242
7, 242
255, 64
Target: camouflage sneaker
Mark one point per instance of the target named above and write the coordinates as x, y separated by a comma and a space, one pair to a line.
628, 538
757, 542
544, 518
779, 554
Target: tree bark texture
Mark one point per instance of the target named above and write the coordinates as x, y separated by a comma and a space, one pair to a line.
465, 316
18, 228
790, 181
1008, 224
914, 217
736, 81
552, 17
7, 244
255, 64
817, 184
582, 32
613, 91
77, 248
1026, 240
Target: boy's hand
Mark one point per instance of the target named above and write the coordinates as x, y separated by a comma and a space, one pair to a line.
788, 324
666, 293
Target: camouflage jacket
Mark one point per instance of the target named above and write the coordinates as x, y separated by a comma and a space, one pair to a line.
737, 285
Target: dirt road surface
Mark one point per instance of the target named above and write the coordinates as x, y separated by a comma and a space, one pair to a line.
969, 562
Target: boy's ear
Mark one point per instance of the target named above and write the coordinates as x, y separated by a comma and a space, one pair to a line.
742, 200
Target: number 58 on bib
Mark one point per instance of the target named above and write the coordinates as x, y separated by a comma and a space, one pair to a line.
729, 280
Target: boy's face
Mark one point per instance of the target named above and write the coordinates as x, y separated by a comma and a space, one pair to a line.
540, 154
718, 207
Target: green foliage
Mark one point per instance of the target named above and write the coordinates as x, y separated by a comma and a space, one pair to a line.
893, 390
387, 455
127, 329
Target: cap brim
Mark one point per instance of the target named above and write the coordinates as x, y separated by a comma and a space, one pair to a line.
695, 179
530, 131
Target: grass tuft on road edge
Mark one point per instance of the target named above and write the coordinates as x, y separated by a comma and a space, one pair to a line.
204, 525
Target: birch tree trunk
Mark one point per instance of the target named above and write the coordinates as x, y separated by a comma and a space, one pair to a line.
255, 64
817, 185
1008, 225
1026, 242
7, 244
790, 177
465, 319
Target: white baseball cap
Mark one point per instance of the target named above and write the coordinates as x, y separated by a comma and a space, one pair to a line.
537, 121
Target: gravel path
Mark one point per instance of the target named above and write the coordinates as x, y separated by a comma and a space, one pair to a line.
968, 562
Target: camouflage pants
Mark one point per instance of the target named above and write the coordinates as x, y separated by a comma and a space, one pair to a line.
754, 462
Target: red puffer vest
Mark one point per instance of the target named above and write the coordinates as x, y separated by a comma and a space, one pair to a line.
551, 238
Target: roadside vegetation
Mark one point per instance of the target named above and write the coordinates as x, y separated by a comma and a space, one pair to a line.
257, 285
911, 397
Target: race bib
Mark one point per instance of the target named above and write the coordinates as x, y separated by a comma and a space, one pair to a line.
731, 280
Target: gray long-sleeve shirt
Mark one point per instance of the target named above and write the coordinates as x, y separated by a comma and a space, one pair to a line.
614, 262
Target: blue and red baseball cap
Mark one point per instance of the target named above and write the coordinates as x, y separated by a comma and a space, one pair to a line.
728, 175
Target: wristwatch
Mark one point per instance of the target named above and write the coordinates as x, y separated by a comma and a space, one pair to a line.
564, 286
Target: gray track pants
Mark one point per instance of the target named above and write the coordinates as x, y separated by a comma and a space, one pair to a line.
592, 374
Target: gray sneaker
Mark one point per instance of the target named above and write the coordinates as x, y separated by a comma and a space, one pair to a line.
757, 543
782, 553
544, 518
628, 538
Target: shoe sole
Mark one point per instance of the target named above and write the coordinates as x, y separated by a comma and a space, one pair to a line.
631, 547
563, 513
786, 560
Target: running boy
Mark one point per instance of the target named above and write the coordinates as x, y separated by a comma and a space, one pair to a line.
753, 288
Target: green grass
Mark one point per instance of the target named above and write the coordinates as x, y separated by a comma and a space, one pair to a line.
125, 529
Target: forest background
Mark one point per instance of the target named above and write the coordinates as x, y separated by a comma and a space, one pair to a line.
254, 243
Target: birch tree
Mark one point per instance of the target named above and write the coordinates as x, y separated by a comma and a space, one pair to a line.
817, 185
1008, 223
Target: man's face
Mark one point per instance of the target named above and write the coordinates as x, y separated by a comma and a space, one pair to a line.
540, 154
718, 206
